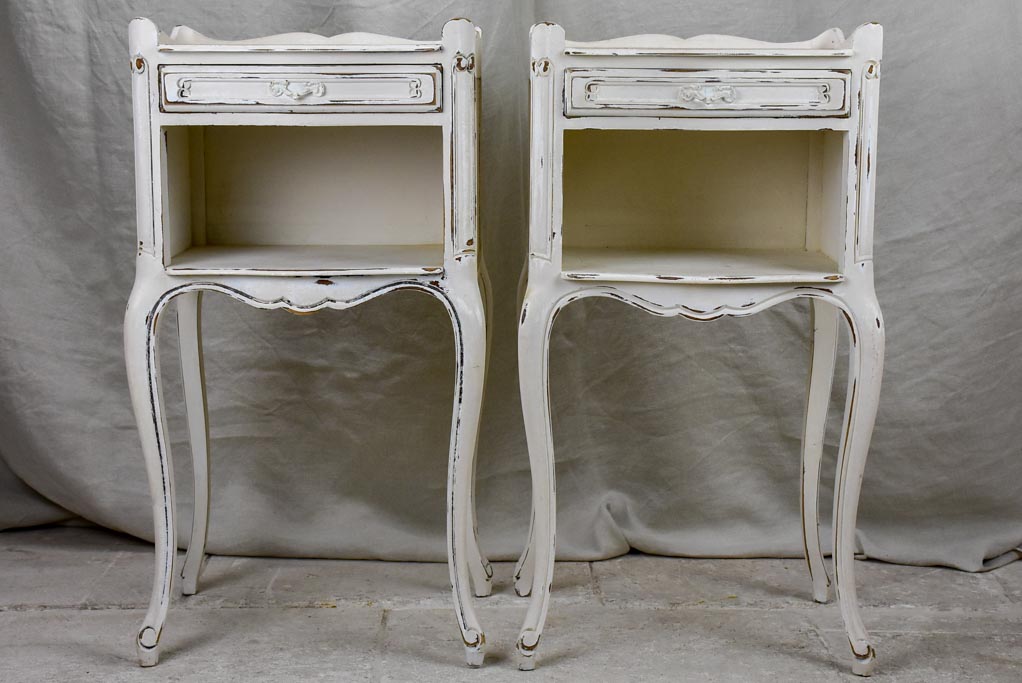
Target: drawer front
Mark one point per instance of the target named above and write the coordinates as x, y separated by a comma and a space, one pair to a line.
300, 89
660, 92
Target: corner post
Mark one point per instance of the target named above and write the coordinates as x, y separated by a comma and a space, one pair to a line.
142, 39
547, 40
460, 45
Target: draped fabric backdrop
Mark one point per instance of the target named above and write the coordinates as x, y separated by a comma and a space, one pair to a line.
330, 432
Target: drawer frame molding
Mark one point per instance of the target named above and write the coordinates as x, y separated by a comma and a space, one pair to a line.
298, 90
732, 93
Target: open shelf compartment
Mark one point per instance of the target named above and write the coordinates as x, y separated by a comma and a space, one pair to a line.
711, 207
286, 200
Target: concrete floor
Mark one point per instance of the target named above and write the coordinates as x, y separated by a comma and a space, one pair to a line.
72, 598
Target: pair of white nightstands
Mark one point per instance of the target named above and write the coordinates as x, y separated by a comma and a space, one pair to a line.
707, 177
704, 178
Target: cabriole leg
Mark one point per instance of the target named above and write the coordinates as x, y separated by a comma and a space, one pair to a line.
823, 321
143, 382
864, 376
470, 349
533, 359
189, 324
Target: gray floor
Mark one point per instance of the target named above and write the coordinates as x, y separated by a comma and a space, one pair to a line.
71, 599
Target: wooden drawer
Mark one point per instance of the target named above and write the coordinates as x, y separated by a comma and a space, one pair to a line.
676, 92
300, 89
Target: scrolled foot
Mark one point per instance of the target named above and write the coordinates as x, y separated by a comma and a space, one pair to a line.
147, 646
526, 649
475, 652
865, 665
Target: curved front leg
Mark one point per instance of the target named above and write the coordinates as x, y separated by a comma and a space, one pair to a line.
865, 371
823, 321
466, 309
534, 379
189, 325
146, 398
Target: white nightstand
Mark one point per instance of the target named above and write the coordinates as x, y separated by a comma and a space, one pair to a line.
702, 178
303, 173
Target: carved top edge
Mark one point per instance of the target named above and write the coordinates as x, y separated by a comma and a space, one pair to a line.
831, 42
183, 38
829, 39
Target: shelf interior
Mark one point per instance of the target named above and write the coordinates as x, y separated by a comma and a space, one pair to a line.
303, 198
704, 206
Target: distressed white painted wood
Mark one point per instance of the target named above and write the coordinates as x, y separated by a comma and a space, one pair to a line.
266, 170
651, 179
189, 325
824, 322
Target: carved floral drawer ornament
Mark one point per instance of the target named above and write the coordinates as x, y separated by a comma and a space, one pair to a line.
702, 178
265, 171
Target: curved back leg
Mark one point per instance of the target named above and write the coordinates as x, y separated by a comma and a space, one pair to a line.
525, 567
823, 321
479, 567
189, 325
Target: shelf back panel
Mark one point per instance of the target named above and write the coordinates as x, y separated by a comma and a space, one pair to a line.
304, 185
676, 189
